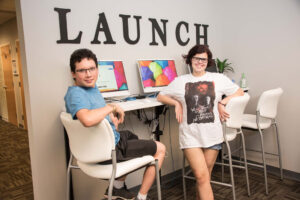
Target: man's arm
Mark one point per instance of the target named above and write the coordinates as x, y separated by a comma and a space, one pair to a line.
95, 116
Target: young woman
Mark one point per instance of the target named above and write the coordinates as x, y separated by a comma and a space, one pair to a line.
199, 106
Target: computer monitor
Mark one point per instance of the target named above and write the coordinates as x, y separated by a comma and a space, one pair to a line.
156, 74
111, 79
211, 68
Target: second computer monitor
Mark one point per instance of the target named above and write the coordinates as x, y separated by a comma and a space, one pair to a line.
156, 74
111, 79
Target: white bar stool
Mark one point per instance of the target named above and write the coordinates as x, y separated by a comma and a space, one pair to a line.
266, 112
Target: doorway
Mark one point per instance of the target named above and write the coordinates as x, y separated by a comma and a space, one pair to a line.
8, 83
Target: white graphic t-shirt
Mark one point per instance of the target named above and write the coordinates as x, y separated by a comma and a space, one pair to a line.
199, 96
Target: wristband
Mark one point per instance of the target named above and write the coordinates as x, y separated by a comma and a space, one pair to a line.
113, 108
222, 103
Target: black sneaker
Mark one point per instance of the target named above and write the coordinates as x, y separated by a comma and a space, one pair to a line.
122, 193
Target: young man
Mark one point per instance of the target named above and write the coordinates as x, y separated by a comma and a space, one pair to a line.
85, 103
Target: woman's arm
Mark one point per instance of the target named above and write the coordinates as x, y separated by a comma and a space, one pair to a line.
173, 102
221, 105
239, 92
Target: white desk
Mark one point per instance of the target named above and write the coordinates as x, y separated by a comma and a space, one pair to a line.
246, 89
139, 104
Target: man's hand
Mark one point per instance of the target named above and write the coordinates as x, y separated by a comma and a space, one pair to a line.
118, 112
222, 113
114, 120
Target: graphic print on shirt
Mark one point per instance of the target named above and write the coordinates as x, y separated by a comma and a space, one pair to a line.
199, 98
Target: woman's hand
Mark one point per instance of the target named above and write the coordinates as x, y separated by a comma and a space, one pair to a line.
178, 111
222, 112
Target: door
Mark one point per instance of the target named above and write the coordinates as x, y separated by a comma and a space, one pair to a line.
9, 86
21, 83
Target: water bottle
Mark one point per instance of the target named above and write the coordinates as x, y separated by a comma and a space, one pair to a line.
243, 82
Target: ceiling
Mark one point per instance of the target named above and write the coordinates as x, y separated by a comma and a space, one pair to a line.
7, 10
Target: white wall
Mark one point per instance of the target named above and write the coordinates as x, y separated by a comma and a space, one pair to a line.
47, 70
261, 38
233, 31
9, 35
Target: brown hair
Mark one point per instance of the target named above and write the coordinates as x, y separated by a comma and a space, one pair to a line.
80, 54
198, 49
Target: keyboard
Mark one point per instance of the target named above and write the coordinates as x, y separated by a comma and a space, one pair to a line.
139, 104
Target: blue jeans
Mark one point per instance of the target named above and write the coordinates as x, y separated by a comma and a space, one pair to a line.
216, 147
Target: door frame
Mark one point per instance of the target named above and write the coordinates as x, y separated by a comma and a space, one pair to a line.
20, 70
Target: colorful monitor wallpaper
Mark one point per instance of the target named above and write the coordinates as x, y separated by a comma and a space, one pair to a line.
156, 73
111, 76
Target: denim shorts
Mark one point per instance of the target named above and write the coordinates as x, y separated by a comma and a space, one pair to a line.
215, 146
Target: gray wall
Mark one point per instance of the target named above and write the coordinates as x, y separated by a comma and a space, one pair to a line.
260, 39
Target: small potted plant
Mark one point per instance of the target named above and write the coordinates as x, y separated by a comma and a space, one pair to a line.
224, 66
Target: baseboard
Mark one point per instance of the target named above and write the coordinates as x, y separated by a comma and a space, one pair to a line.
4, 119
275, 170
171, 176
167, 180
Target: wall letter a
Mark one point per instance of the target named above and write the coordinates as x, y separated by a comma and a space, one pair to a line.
62, 16
102, 21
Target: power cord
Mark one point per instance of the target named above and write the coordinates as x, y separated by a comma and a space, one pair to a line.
170, 140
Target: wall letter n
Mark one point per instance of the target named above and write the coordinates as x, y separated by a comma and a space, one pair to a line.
161, 33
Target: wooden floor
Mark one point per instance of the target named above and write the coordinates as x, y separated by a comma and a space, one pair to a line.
16, 183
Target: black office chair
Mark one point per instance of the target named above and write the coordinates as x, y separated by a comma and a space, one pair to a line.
212, 67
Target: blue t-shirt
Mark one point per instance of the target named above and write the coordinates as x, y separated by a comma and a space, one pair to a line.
78, 98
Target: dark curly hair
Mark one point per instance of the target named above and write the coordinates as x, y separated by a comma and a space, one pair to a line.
198, 49
80, 54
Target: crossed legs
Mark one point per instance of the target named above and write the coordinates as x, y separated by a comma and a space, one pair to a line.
202, 161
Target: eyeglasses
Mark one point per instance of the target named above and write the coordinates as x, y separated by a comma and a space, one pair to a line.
84, 71
198, 59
